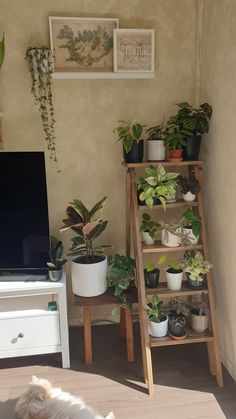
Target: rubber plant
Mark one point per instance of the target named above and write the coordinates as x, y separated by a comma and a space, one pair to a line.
40, 66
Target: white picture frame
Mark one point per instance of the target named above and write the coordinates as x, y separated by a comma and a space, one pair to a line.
72, 41
134, 50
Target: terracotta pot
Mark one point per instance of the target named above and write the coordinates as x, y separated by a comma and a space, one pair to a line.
175, 155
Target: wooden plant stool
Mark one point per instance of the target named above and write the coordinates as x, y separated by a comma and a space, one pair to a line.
126, 321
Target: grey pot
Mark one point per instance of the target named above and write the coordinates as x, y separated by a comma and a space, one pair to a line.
55, 275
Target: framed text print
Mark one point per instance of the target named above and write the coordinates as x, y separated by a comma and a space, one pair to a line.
134, 50
82, 44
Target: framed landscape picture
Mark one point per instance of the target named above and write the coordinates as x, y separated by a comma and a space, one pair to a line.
82, 44
134, 50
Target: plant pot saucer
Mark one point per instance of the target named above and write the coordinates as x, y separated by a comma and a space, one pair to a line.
178, 337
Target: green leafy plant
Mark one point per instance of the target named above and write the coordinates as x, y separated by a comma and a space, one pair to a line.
128, 132
190, 184
194, 120
174, 136
2, 50
192, 220
197, 266
151, 266
88, 226
159, 184
40, 66
57, 260
154, 310
176, 264
155, 133
149, 226
120, 274
178, 312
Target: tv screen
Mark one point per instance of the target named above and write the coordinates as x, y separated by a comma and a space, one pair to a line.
24, 227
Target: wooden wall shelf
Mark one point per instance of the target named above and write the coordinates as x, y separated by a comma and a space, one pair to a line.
102, 76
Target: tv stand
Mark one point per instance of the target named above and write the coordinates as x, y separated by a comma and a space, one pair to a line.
33, 331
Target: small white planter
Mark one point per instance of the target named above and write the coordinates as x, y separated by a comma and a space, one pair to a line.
189, 234
189, 197
156, 150
89, 280
174, 280
169, 239
147, 238
199, 323
158, 330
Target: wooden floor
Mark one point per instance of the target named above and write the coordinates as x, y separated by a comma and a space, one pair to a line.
185, 389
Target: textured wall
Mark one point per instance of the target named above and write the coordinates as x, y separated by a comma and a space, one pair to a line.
218, 87
87, 111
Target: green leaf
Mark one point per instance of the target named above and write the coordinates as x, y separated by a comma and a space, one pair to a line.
128, 142
95, 212
100, 227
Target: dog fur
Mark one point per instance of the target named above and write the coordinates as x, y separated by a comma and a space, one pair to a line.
42, 401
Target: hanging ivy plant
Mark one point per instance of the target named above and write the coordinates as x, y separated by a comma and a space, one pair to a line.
40, 67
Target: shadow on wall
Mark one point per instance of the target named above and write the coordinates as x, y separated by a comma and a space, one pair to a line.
7, 409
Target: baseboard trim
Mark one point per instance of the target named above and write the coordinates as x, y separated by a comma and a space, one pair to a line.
231, 368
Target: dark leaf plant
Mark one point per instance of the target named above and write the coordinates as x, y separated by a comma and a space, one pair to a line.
190, 219
88, 226
56, 254
194, 120
40, 66
149, 226
120, 274
128, 132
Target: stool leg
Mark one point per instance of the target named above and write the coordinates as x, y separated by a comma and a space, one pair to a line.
129, 333
88, 357
122, 323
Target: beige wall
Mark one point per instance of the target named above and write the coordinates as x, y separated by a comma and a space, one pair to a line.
87, 111
218, 88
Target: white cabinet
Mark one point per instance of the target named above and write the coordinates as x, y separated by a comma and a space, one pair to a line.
33, 331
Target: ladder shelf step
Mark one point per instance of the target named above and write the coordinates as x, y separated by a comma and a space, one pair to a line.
163, 163
164, 292
192, 337
159, 248
178, 204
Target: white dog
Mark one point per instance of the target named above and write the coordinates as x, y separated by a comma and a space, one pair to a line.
42, 401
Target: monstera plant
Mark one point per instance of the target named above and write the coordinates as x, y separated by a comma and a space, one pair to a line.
89, 264
40, 66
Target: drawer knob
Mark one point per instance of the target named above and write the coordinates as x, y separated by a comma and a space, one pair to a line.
21, 335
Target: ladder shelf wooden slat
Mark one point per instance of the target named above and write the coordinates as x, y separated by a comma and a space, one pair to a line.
178, 204
133, 231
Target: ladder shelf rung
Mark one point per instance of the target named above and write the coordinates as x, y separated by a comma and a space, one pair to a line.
164, 292
163, 163
178, 204
192, 337
159, 248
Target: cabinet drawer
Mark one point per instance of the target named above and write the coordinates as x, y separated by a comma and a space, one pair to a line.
29, 331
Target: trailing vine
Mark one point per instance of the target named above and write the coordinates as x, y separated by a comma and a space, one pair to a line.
40, 67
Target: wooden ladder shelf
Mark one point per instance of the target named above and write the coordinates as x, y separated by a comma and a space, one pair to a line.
133, 234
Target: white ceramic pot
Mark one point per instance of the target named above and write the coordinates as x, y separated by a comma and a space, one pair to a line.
158, 330
189, 233
174, 280
189, 197
199, 323
169, 239
156, 150
147, 238
89, 279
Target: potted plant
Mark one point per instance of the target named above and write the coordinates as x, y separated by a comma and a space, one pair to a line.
196, 122
157, 319
56, 259
196, 267
174, 140
89, 266
152, 273
156, 150
199, 315
120, 274
178, 314
191, 225
40, 66
159, 185
174, 274
171, 234
189, 187
149, 229
2, 50
130, 134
